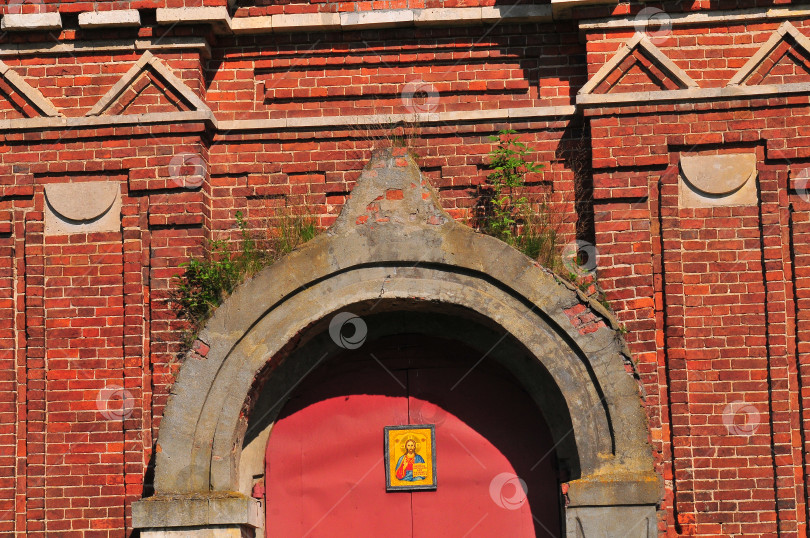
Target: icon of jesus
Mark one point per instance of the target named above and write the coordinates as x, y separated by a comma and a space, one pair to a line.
406, 463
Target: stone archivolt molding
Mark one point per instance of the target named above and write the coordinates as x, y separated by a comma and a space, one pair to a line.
690, 91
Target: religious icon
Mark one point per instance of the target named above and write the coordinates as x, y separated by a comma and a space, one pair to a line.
410, 458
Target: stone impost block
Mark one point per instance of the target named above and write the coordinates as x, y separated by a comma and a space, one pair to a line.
615, 489
601, 521
196, 509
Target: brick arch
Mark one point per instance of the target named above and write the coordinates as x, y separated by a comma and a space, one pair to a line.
393, 245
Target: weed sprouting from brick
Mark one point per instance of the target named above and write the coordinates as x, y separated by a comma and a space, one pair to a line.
210, 278
506, 212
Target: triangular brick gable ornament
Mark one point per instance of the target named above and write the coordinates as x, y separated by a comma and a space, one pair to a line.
38, 105
672, 77
130, 81
761, 63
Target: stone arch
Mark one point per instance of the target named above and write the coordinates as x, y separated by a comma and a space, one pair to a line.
385, 318
395, 249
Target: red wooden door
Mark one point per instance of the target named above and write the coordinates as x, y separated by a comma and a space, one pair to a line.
325, 469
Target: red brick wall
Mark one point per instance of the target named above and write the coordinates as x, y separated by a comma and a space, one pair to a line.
8, 372
705, 295
710, 55
716, 301
254, 8
75, 83
357, 74
711, 297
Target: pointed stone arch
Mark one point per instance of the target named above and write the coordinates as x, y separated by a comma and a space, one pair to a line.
393, 248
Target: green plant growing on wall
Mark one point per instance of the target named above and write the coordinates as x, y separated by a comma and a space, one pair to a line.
293, 231
209, 279
506, 211
509, 165
201, 287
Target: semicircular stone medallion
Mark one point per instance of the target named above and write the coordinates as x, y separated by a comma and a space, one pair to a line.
717, 180
82, 207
